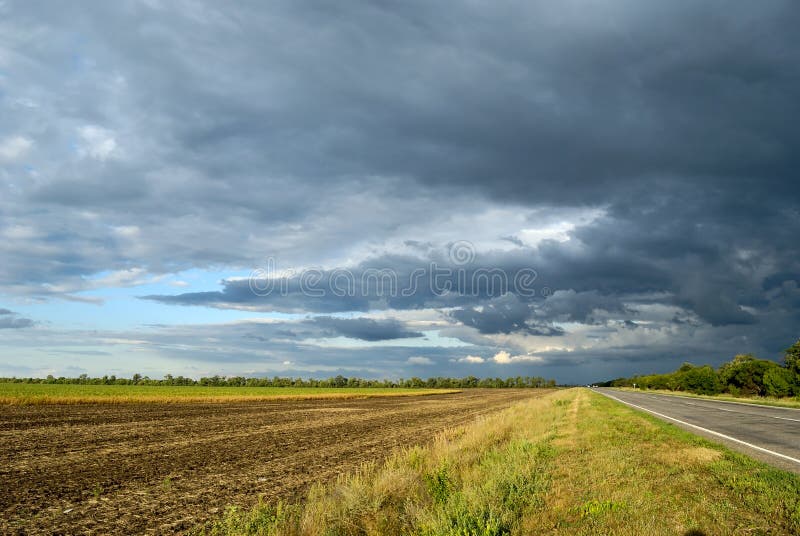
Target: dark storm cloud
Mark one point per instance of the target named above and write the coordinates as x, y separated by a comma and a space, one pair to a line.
505, 314
571, 306
366, 329
255, 108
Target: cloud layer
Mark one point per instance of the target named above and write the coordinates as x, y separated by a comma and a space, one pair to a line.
637, 158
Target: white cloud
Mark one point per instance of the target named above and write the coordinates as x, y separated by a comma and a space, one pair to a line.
98, 143
504, 358
557, 226
419, 360
127, 231
559, 232
131, 277
14, 147
470, 359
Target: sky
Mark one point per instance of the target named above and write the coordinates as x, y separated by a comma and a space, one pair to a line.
578, 190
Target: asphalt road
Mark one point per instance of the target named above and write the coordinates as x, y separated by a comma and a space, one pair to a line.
769, 434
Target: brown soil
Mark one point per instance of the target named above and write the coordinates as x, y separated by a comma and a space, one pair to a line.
164, 468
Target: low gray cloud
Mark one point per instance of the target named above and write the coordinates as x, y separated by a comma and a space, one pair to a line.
505, 314
571, 306
366, 329
11, 320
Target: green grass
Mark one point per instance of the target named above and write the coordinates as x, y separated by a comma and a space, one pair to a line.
662, 479
572, 462
30, 393
787, 402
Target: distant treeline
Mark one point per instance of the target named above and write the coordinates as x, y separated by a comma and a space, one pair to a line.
338, 381
744, 375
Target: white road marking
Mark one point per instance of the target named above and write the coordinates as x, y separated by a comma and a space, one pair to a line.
729, 438
741, 412
748, 404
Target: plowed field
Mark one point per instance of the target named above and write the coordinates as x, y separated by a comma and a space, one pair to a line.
165, 468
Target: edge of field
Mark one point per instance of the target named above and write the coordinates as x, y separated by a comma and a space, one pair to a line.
788, 402
42, 399
570, 462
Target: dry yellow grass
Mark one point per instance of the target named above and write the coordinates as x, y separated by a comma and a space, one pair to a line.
473, 477
690, 455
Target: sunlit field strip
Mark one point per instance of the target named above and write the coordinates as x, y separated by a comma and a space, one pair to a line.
22, 393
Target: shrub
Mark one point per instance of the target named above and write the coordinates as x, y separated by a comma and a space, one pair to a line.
703, 380
778, 382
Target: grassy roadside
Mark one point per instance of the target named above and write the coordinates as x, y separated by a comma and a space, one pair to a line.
31, 394
758, 401
572, 462
621, 471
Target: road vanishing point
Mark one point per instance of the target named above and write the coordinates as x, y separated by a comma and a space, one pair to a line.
767, 433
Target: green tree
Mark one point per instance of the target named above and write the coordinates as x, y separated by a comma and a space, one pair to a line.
792, 359
745, 374
702, 380
778, 382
